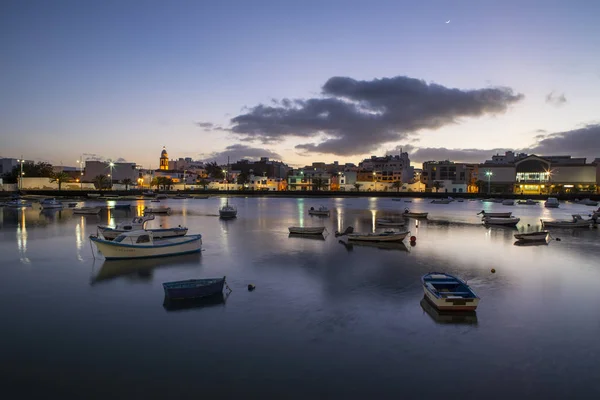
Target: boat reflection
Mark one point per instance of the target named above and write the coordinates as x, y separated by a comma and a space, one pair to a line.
141, 269
448, 317
531, 243
187, 304
398, 246
306, 236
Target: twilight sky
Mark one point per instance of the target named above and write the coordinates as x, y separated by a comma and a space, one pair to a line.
301, 81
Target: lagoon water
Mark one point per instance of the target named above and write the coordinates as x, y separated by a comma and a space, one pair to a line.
326, 320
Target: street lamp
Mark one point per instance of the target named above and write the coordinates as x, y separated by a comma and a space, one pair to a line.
489, 174
111, 165
21, 161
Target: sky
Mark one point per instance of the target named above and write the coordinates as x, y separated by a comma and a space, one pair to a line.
300, 81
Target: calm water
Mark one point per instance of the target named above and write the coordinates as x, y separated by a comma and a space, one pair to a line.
325, 320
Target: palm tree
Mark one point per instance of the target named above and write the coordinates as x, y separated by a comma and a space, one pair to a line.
60, 177
127, 182
357, 186
165, 182
437, 185
319, 183
101, 182
154, 182
203, 182
397, 185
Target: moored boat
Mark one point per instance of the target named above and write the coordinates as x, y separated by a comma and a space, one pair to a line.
527, 202
442, 201
552, 202
576, 222
588, 202
17, 203
322, 210
449, 293
532, 236
142, 244
510, 221
388, 236
408, 213
389, 222
136, 224
508, 202
157, 210
193, 288
48, 204
312, 230
228, 211
495, 214
87, 210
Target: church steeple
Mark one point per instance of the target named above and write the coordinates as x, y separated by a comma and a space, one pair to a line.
164, 160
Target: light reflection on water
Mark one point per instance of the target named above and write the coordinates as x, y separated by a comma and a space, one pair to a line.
330, 313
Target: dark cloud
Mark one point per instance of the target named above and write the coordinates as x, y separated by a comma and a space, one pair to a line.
582, 142
237, 152
355, 117
541, 131
555, 100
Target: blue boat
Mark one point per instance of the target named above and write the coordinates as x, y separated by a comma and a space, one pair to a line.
193, 288
449, 293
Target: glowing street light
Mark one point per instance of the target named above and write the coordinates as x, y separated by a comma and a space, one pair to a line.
111, 165
21, 161
489, 174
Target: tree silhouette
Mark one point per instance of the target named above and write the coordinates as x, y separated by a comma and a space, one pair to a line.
60, 177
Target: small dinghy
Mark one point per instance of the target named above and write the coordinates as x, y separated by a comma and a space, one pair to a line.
87, 210
495, 214
449, 293
576, 222
408, 213
49, 204
510, 221
322, 211
441, 201
193, 288
508, 202
313, 230
141, 244
389, 222
552, 202
588, 202
533, 236
389, 236
228, 211
527, 202
157, 210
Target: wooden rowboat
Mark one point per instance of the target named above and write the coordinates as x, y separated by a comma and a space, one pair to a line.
193, 288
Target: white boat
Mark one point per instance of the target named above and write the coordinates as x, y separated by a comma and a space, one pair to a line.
527, 202
389, 222
312, 230
552, 202
588, 202
157, 210
510, 221
447, 292
228, 211
508, 202
136, 224
576, 222
388, 236
50, 204
532, 236
408, 213
17, 203
495, 214
142, 244
324, 211
87, 210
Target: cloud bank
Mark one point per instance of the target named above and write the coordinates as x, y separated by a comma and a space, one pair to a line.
582, 142
239, 151
355, 117
555, 100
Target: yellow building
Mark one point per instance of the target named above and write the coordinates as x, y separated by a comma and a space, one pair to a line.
164, 160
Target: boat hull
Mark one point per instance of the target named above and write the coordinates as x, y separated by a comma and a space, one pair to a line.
497, 214
415, 215
110, 233
227, 214
395, 237
321, 213
149, 210
389, 223
307, 231
451, 304
532, 237
566, 224
115, 251
87, 211
501, 221
193, 288
447, 298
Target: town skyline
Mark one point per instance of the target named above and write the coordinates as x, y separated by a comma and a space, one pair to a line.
318, 82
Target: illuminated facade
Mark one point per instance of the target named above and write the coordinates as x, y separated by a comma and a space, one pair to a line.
164, 160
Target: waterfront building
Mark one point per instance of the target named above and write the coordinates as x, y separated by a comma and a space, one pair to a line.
118, 172
449, 177
309, 178
533, 174
263, 167
388, 168
7, 165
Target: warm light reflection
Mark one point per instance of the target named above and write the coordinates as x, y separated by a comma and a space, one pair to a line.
301, 211
373, 218
22, 239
